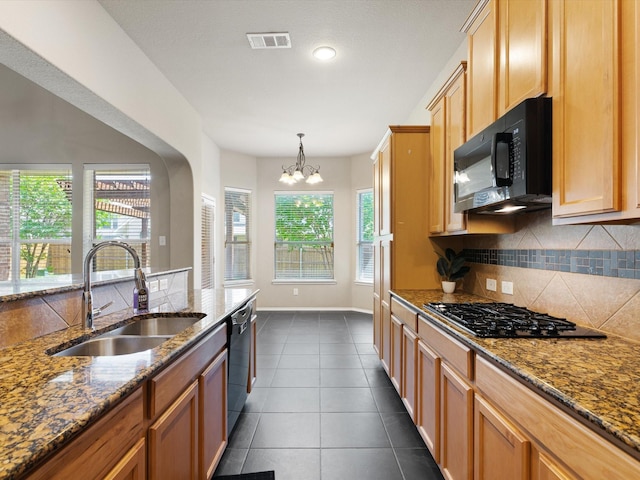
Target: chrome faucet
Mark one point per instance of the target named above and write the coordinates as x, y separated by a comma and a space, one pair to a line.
88, 311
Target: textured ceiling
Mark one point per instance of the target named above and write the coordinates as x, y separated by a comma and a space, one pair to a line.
255, 101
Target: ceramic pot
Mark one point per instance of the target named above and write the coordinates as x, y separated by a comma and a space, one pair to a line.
448, 287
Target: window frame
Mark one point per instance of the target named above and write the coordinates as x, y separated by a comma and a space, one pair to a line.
361, 243
331, 243
230, 242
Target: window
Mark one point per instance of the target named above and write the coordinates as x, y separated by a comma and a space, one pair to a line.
364, 271
117, 207
304, 236
237, 230
207, 217
35, 221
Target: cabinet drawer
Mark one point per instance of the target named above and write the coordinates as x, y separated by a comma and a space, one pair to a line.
406, 315
97, 450
170, 383
454, 352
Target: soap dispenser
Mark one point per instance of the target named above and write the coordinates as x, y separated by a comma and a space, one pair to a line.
140, 293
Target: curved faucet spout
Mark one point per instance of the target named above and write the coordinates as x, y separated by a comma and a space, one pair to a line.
87, 299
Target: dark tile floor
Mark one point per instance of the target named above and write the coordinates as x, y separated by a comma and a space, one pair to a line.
322, 407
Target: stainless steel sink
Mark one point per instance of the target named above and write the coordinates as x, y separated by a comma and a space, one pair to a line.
112, 345
154, 326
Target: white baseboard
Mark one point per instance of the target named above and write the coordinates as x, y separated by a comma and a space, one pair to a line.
314, 309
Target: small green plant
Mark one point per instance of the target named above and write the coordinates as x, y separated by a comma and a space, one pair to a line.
451, 266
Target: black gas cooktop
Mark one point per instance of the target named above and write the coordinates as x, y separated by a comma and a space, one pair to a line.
503, 320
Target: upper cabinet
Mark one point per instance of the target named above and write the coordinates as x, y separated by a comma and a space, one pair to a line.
595, 82
507, 57
448, 119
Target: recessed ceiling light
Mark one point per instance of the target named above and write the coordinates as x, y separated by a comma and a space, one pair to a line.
324, 53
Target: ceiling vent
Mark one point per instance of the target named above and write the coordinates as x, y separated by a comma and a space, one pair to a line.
269, 40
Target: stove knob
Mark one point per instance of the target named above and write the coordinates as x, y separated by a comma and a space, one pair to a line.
552, 328
535, 327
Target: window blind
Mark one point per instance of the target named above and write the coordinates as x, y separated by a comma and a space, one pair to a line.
237, 229
207, 217
365, 236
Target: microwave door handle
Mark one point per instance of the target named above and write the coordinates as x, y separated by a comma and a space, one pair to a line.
506, 138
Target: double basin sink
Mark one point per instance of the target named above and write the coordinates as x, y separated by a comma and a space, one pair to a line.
138, 336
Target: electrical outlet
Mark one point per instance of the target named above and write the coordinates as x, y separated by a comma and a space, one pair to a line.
507, 288
164, 283
153, 286
492, 285
295, 291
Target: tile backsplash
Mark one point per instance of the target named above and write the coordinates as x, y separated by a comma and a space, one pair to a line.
589, 274
36, 316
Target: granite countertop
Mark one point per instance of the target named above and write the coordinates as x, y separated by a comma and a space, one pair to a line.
596, 379
45, 401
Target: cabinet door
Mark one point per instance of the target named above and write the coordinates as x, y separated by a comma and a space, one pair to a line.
455, 99
385, 188
212, 411
482, 69
377, 307
385, 302
132, 466
501, 452
409, 370
456, 454
437, 194
395, 368
173, 439
586, 107
523, 52
545, 468
428, 413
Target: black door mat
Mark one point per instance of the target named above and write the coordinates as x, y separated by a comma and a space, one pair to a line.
270, 475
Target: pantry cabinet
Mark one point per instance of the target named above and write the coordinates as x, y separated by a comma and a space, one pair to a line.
403, 254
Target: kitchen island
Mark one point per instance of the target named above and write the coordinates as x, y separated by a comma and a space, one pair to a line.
593, 381
47, 401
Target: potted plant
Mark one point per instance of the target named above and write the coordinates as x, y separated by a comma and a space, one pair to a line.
451, 267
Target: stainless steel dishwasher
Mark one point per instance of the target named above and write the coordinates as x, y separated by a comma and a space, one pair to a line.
239, 358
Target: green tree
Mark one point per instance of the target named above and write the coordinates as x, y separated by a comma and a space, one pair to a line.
366, 216
45, 214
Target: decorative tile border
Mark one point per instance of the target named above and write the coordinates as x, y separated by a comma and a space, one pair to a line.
607, 263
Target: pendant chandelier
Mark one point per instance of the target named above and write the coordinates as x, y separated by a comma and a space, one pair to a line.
294, 173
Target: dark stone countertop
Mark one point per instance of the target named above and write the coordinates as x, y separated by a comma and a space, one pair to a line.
598, 380
45, 401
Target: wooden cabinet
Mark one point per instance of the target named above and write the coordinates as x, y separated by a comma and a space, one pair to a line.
132, 466
595, 81
446, 421
448, 114
403, 254
586, 107
562, 447
522, 52
482, 33
408, 390
507, 48
188, 411
113, 447
501, 452
212, 414
395, 367
173, 439
428, 401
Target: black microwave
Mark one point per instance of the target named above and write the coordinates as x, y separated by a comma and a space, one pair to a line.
507, 167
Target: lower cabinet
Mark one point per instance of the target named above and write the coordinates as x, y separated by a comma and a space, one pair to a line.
428, 406
112, 448
188, 412
395, 365
409, 372
456, 419
132, 466
173, 439
501, 452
